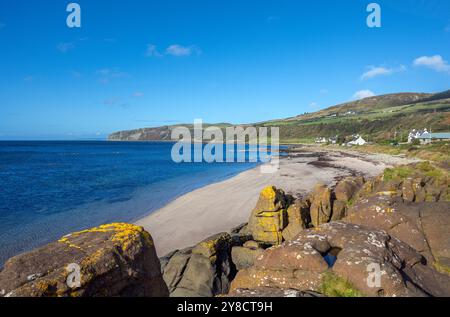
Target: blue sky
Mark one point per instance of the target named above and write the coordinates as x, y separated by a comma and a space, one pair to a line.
146, 63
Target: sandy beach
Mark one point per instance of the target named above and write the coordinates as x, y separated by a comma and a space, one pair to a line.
221, 206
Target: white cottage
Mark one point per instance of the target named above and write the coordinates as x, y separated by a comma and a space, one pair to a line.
357, 140
416, 134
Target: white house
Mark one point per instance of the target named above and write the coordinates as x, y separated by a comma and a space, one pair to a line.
357, 140
427, 137
333, 139
416, 134
323, 140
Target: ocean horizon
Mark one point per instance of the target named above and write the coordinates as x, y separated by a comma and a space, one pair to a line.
52, 188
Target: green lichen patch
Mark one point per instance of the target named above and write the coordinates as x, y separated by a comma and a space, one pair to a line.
335, 286
442, 267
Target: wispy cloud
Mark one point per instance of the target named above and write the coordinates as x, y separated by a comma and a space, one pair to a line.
323, 91
152, 51
363, 94
435, 62
2, 25
179, 50
65, 47
176, 50
381, 71
138, 94
447, 28
28, 79
108, 74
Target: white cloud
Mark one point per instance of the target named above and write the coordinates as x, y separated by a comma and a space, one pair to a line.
363, 94
138, 94
173, 50
324, 91
313, 105
381, 71
179, 50
65, 47
435, 62
152, 51
376, 71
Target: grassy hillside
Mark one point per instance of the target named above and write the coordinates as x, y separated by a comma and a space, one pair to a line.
377, 118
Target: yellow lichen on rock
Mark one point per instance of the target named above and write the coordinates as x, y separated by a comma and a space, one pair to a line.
211, 245
268, 218
269, 193
123, 235
69, 244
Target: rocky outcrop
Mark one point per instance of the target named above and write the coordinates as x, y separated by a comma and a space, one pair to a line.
321, 205
298, 218
268, 218
419, 182
344, 193
244, 256
301, 264
111, 260
278, 217
423, 226
398, 221
204, 270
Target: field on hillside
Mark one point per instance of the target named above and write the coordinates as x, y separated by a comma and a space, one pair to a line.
376, 124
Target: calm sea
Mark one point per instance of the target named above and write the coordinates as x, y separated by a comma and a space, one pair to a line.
49, 189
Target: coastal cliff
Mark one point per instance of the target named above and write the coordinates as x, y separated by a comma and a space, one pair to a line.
317, 245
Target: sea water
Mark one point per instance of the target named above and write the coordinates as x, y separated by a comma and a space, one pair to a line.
49, 189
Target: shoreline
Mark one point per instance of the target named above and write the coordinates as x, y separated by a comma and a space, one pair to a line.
221, 206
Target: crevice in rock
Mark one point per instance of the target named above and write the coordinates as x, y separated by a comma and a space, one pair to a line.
425, 234
331, 256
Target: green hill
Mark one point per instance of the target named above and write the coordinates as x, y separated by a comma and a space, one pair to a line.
377, 118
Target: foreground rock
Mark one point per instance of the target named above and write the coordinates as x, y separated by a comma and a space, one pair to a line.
321, 205
268, 218
300, 264
423, 226
245, 256
298, 218
204, 270
113, 260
